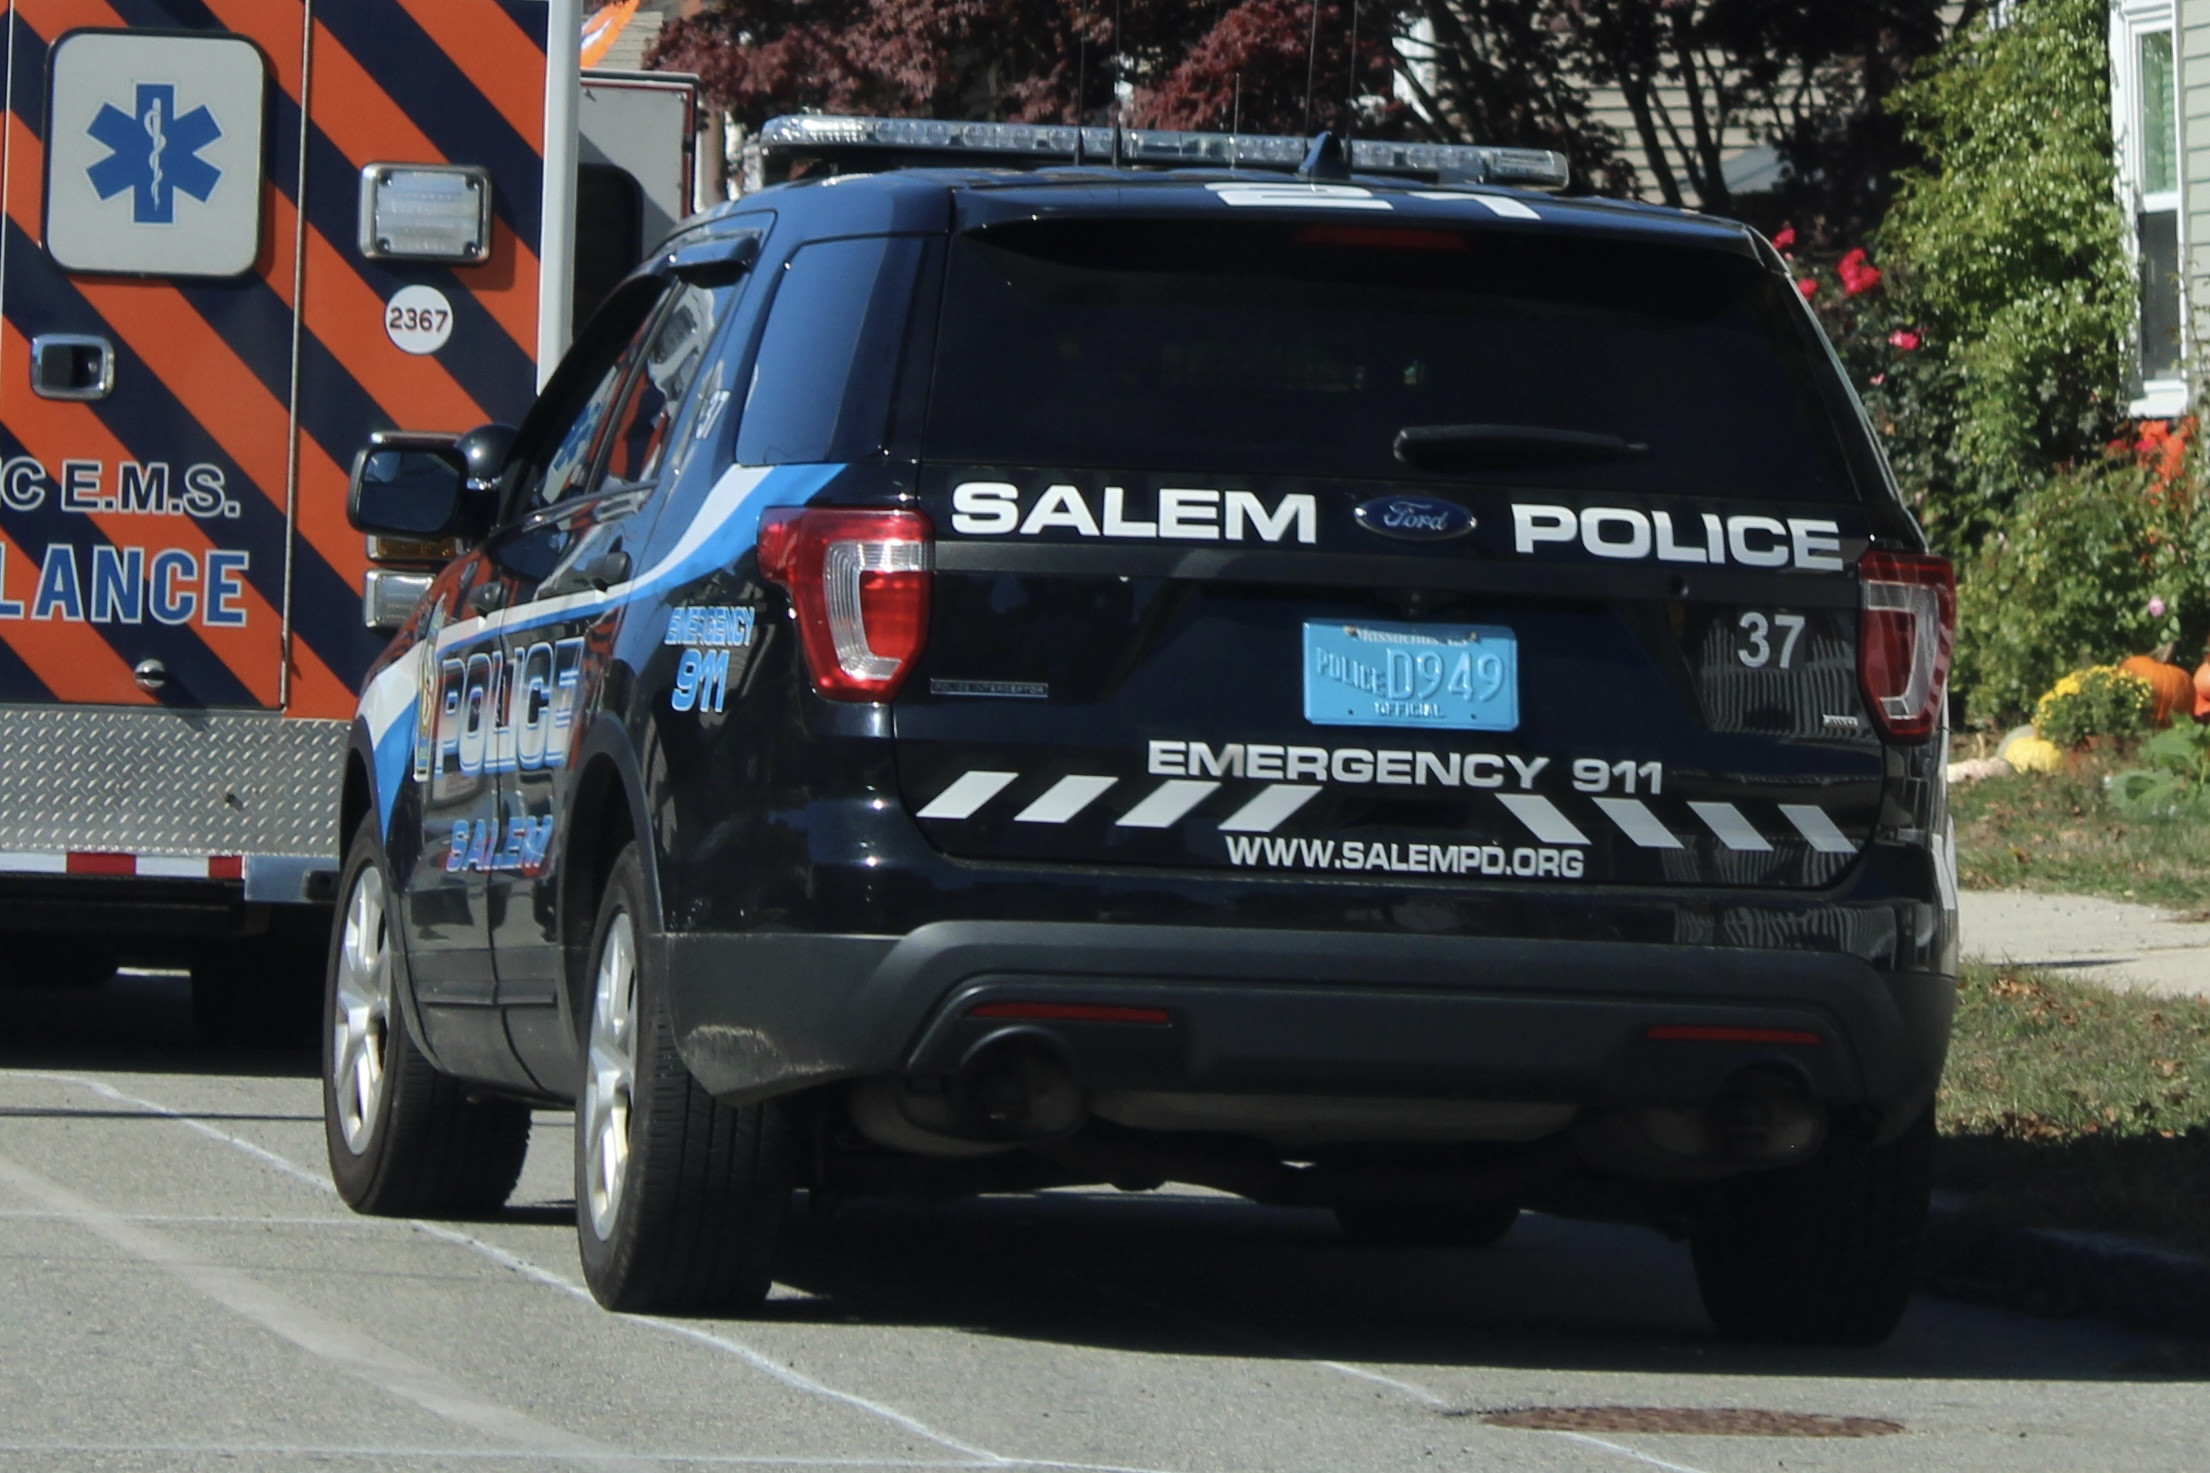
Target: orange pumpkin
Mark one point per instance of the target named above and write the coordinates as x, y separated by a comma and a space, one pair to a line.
2175, 689
2202, 687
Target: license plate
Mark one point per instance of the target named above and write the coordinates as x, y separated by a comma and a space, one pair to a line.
1439, 677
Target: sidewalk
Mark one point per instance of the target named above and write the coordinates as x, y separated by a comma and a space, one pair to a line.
2107, 941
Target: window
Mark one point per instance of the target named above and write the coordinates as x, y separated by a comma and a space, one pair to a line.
670, 362
828, 360
1303, 349
2145, 111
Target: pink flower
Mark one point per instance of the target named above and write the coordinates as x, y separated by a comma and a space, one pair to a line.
1858, 273
2157, 607
1878, 379
1786, 239
1904, 340
1808, 287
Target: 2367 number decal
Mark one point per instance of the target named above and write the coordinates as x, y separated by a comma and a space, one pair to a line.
418, 319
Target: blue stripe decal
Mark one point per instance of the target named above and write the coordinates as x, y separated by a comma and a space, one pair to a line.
726, 527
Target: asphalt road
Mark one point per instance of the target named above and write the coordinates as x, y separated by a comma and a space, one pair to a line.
179, 1289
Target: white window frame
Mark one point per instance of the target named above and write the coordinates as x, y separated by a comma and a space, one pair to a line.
2130, 20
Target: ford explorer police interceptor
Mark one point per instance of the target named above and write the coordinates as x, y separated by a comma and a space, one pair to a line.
1361, 687
241, 234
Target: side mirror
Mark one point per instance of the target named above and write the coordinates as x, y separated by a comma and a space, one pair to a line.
418, 487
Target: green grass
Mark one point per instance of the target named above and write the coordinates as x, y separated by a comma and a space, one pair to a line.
2068, 1104
2059, 832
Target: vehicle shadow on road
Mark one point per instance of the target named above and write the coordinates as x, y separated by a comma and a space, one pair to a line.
1209, 1275
138, 1023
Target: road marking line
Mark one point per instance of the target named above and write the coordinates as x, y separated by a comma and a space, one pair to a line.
982, 1456
1421, 1394
190, 1219
319, 1335
473, 1454
759, 1362
496, 1455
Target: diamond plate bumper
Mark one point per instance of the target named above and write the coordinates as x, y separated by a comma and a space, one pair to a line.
154, 782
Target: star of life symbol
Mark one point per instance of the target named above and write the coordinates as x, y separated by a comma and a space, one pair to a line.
154, 154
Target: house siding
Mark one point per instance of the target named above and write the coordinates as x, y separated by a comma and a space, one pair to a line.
2192, 19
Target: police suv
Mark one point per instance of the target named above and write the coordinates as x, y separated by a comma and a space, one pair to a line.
1320, 674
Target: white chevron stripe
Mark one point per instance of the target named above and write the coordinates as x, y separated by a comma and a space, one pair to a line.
1542, 818
1638, 823
1820, 831
1064, 799
1266, 812
968, 794
1167, 803
1734, 831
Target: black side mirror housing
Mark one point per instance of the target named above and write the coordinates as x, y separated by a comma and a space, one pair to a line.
427, 487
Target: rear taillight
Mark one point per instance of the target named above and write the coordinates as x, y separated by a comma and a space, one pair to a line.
859, 583
1906, 627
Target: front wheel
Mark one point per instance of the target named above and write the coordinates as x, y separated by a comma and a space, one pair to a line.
679, 1197
404, 1140
1822, 1253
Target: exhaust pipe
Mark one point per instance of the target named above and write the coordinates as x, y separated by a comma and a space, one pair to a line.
1013, 1087
1017, 1085
1762, 1117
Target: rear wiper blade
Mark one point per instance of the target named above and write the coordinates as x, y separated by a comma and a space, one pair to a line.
1488, 447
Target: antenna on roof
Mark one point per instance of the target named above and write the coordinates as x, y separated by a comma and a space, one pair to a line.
1350, 95
1081, 88
1312, 54
1117, 82
1235, 123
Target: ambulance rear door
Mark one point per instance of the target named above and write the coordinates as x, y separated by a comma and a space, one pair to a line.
146, 356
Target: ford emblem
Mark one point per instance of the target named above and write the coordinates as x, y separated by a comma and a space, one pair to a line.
1415, 518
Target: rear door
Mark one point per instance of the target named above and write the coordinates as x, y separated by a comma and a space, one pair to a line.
1594, 623
146, 356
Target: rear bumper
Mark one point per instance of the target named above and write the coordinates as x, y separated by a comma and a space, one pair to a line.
1300, 1012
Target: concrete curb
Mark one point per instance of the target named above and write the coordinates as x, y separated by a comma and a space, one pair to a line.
2136, 1284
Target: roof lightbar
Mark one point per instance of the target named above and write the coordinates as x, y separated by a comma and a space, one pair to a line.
860, 143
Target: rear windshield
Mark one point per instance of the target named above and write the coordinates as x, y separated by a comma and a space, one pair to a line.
1304, 348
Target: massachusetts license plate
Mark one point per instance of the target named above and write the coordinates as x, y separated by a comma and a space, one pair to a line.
1442, 677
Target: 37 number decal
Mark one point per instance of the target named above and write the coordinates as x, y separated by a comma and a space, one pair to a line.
1768, 639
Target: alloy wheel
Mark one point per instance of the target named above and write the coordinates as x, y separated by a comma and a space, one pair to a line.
361, 1027
610, 1075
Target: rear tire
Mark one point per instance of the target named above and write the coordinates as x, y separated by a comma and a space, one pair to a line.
679, 1198
1822, 1253
1427, 1225
404, 1140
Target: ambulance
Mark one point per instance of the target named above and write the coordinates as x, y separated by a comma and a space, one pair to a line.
241, 236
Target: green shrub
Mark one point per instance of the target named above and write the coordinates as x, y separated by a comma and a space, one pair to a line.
2097, 563
2004, 271
2175, 783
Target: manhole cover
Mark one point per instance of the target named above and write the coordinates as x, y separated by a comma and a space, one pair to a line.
1691, 1421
